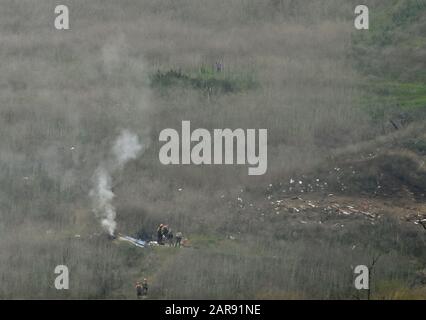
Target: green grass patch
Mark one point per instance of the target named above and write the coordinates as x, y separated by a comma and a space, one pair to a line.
387, 19
204, 241
206, 80
390, 48
384, 98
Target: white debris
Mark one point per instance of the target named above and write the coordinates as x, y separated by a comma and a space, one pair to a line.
371, 215
136, 242
311, 204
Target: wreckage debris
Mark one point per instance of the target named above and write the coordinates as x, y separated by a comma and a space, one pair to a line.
418, 219
298, 205
136, 242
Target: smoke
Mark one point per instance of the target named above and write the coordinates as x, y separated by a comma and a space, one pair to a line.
125, 148
102, 197
116, 60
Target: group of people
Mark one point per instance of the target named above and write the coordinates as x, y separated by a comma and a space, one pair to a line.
142, 288
165, 235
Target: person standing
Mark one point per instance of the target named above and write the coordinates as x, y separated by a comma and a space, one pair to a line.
160, 234
139, 290
170, 238
165, 232
145, 287
178, 239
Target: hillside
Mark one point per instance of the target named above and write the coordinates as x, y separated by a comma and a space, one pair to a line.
346, 179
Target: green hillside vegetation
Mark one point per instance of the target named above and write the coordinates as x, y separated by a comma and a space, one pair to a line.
392, 55
207, 80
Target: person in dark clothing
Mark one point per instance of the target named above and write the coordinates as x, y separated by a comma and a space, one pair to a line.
160, 234
139, 290
178, 239
165, 230
170, 238
145, 287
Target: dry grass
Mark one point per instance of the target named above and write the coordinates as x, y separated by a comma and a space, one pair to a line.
66, 95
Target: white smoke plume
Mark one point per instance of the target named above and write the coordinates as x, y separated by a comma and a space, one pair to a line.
125, 148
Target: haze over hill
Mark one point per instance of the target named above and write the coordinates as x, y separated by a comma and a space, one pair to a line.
344, 110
